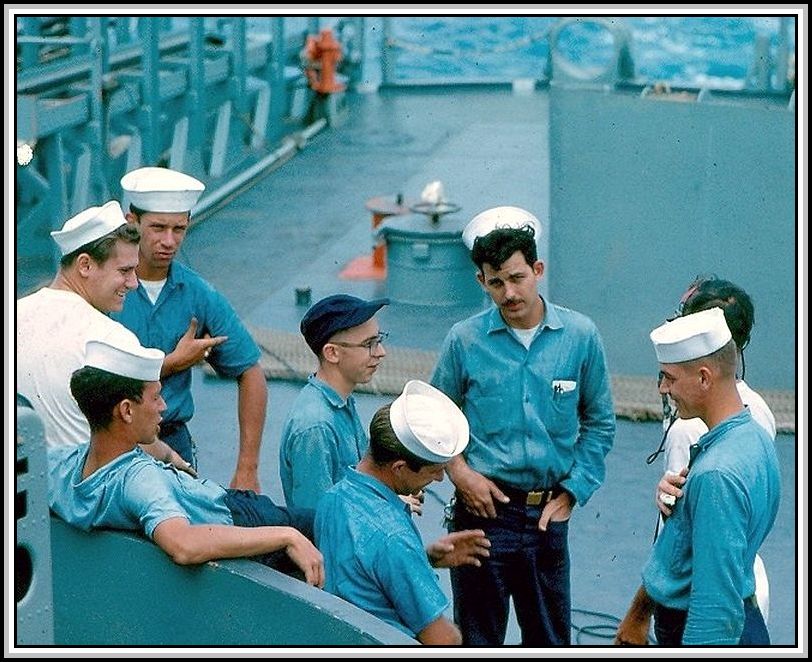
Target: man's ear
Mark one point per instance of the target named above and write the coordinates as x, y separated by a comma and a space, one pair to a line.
83, 264
124, 410
131, 218
330, 353
705, 377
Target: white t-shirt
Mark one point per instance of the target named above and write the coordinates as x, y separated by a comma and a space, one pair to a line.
686, 431
153, 288
525, 336
53, 327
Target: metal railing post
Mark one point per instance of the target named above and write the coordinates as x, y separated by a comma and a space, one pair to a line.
388, 53
197, 84
150, 85
277, 79
97, 126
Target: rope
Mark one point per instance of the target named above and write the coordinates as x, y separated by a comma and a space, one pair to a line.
599, 630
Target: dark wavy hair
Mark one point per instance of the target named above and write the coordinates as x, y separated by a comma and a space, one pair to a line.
498, 245
98, 391
713, 292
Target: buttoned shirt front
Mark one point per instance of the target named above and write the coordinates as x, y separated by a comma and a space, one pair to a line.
541, 416
184, 296
322, 438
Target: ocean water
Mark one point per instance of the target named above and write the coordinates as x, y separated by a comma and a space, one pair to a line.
710, 51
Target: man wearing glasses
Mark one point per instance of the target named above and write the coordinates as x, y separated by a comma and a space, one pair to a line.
323, 435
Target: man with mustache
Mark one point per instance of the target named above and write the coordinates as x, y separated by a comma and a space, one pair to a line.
532, 380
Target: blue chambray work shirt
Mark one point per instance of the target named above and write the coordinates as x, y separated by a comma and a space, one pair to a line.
702, 561
373, 554
539, 417
186, 295
322, 438
133, 492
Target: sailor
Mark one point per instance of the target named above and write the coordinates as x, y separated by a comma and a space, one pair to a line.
532, 379
177, 311
373, 554
323, 435
111, 483
99, 254
681, 433
700, 570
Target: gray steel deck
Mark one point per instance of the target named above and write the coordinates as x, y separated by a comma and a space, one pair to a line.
304, 222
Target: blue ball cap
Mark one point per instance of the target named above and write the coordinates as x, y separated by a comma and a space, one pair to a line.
333, 314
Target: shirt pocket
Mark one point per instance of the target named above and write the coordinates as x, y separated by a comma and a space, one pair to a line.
564, 400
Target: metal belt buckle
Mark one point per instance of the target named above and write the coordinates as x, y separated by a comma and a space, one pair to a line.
534, 498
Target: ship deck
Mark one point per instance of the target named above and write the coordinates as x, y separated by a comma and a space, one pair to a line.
298, 227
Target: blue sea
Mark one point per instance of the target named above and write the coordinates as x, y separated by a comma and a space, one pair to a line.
709, 51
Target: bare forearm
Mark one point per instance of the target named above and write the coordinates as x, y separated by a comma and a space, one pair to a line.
633, 629
456, 468
252, 405
441, 632
197, 544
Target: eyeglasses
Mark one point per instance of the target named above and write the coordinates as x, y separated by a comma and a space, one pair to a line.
370, 345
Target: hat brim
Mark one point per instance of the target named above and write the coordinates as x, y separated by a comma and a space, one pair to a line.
361, 314
445, 409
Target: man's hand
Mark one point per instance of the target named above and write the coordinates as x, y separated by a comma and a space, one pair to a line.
459, 548
308, 559
162, 451
190, 350
246, 479
414, 501
476, 491
557, 510
633, 629
668, 490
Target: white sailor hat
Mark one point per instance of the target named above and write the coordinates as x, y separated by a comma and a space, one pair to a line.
127, 359
498, 217
88, 225
161, 190
428, 423
691, 336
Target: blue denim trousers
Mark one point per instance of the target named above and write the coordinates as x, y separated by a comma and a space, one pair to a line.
529, 565
669, 625
251, 509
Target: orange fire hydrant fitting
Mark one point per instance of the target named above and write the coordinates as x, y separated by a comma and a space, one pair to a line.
323, 53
